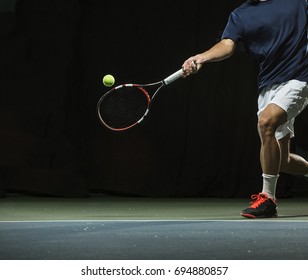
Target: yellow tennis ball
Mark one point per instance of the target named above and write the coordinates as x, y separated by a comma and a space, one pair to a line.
108, 80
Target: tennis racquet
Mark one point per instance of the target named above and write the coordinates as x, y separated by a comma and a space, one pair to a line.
126, 105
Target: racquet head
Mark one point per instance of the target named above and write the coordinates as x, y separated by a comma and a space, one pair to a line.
123, 106
126, 105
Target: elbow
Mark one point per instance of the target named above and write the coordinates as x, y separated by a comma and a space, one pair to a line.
229, 47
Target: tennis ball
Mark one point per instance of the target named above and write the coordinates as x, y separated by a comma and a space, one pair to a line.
108, 80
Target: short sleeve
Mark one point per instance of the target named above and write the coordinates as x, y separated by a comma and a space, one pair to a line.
234, 29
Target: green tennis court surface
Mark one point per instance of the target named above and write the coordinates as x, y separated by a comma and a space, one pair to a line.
24, 208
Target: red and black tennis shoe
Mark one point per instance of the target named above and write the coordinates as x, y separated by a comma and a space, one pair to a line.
261, 207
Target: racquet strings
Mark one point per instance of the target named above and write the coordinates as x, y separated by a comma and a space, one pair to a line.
124, 106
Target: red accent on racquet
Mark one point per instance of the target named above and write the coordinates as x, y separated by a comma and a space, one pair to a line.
126, 105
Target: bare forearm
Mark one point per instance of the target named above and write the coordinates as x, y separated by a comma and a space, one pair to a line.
218, 52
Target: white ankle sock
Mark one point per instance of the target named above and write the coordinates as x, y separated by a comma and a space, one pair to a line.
306, 175
269, 184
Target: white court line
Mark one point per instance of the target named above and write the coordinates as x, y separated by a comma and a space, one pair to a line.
270, 220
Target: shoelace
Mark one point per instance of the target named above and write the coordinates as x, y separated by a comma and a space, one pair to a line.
258, 200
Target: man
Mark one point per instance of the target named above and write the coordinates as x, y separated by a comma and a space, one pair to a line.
274, 32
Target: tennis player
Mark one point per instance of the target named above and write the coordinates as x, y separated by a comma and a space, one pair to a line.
274, 32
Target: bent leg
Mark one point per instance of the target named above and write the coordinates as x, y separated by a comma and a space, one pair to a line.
291, 163
270, 153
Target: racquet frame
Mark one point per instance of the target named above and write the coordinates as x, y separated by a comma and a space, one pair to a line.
170, 79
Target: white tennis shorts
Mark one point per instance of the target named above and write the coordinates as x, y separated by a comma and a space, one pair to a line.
291, 96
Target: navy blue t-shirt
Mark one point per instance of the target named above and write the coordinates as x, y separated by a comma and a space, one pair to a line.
275, 33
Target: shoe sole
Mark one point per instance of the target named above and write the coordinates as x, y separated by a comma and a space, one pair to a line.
250, 216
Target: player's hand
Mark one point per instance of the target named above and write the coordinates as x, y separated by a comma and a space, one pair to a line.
191, 66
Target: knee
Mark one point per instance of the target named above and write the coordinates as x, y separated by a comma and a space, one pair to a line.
266, 126
270, 119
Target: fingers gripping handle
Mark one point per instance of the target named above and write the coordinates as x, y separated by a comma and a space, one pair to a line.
173, 77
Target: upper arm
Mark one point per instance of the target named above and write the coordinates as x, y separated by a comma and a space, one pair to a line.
229, 45
218, 52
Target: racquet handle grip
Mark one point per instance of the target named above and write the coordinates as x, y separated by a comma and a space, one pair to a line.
173, 77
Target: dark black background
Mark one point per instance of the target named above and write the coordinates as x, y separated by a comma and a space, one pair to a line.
200, 139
